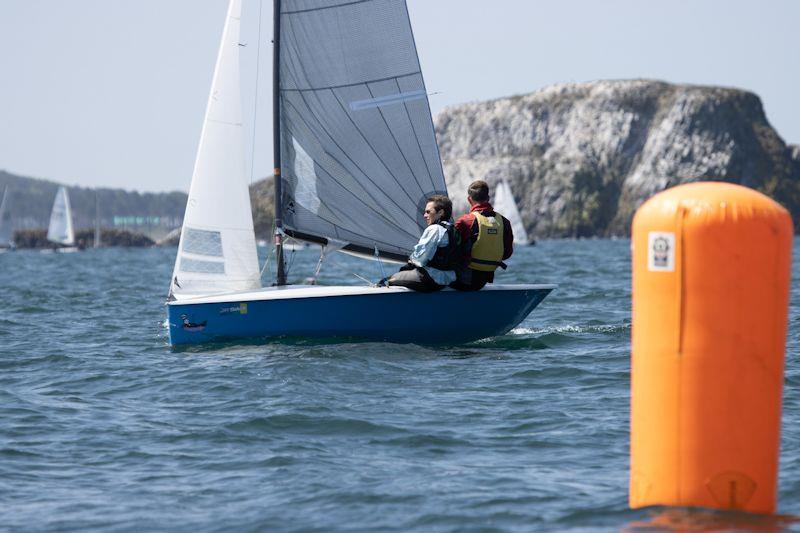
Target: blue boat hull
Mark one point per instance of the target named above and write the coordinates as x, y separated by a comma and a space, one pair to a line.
445, 317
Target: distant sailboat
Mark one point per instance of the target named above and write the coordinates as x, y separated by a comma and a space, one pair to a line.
60, 231
505, 204
6, 234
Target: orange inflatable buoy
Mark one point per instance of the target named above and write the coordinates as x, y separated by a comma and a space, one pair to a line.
711, 273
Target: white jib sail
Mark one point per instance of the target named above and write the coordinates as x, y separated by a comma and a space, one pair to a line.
505, 205
217, 251
60, 230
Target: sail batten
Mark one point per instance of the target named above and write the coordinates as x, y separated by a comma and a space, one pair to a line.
337, 5
355, 118
345, 85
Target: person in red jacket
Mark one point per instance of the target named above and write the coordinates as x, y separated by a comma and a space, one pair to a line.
487, 237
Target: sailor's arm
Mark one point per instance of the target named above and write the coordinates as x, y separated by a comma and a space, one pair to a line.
425, 249
508, 239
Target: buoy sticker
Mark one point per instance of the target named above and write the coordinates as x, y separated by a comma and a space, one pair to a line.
660, 251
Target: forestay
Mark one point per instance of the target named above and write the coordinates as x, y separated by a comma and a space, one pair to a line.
217, 251
60, 229
358, 150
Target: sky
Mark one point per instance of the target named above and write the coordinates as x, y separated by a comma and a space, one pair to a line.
111, 93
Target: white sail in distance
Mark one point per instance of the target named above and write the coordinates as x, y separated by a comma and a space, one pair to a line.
5, 221
60, 230
217, 251
505, 205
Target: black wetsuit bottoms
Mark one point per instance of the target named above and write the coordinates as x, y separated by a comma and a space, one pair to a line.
415, 278
471, 280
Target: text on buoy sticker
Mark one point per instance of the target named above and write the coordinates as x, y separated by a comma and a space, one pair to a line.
661, 251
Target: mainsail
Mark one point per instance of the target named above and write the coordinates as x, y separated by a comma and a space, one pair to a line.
217, 251
5, 221
358, 150
60, 229
505, 205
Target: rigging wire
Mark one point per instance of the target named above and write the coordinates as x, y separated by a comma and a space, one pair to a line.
380, 263
319, 265
269, 255
291, 261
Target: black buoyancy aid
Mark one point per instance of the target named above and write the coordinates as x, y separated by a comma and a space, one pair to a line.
450, 257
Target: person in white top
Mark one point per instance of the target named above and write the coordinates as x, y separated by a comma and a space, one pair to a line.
433, 260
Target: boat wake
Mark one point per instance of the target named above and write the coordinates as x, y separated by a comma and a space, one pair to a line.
572, 329
549, 337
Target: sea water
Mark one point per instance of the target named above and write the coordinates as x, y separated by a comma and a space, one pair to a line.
103, 426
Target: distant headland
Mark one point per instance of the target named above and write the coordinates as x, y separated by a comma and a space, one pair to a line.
126, 218
580, 158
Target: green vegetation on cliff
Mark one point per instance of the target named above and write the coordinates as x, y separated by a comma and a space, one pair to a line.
37, 238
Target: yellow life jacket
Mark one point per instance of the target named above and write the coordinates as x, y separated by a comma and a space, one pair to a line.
487, 250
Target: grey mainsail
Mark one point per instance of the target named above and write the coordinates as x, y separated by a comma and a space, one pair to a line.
358, 150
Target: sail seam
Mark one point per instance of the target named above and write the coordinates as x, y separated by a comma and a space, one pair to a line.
416, 137
333, 140
204, 257
364, 137
217, 228
397, 143
224, 122
309, 10
355, 84
329, 173
339, 225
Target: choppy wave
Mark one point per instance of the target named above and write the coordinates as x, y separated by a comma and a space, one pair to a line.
105, 427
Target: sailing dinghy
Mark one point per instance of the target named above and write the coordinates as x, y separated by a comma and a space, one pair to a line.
6, 235
505, 204
355, 159
60, 231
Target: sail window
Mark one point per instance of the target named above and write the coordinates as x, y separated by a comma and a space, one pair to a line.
202, 242
202, 267
305, 192
387, 100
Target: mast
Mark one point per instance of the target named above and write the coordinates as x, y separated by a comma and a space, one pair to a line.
276, 139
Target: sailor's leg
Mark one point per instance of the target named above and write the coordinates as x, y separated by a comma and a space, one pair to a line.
470, 280
417, 280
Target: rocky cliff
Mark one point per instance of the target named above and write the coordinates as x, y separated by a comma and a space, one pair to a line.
580, 158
